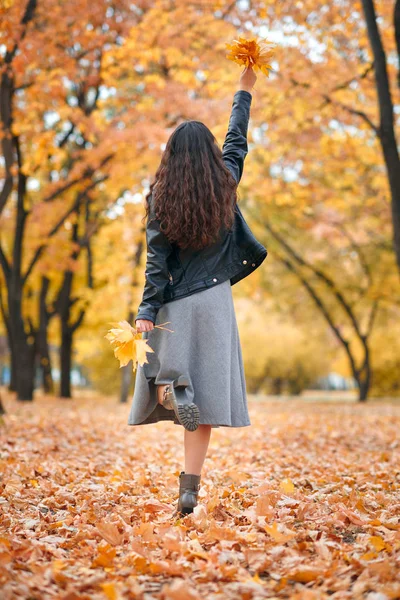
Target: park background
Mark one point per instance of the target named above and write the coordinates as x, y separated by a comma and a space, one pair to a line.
91, 91
304, 504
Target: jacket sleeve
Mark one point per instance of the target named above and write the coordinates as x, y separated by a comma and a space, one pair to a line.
234, 148
156, 273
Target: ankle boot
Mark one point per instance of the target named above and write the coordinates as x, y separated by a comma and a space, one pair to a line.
189, 486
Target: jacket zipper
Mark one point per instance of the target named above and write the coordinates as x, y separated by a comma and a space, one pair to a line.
171, 281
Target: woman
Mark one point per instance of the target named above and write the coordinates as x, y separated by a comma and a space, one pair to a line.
198, 246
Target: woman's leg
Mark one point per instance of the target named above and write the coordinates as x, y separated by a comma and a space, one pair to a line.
160, 393
196, 445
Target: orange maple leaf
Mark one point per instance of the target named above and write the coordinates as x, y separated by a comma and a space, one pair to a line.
251, 52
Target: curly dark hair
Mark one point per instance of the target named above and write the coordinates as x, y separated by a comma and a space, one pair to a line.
193, 194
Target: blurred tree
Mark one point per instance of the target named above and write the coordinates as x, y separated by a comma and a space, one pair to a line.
91, 92
386, 359
28, 152
385, 130
317, 180
43, 351
280, 355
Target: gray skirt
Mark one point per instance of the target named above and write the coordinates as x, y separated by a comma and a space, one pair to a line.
205, 348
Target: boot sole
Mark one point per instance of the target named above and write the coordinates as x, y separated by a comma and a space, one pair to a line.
188, 415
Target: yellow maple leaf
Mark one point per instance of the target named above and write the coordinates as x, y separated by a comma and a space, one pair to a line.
369, 556
142, 348
307, 574
110, 591
279, 536
125, 352
128, 344
287, 486
121, 332
377, 542
251, 52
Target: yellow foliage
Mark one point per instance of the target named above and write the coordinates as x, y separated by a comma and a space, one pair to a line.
103, 372
386, 361
280, 355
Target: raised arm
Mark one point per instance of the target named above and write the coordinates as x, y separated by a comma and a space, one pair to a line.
235, 148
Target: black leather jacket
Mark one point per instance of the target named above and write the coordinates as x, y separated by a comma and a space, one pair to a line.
172, 272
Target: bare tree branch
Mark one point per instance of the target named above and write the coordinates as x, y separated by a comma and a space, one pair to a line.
87, 174
363, 263
353, 111
74, 326
3, 311
5, 264
323, 308
322, 276
372, 316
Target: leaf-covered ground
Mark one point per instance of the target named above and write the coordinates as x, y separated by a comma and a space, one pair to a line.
303, 504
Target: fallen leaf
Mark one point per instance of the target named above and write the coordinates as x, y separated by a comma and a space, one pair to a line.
287, 486
306, 574
279, 536
110, 533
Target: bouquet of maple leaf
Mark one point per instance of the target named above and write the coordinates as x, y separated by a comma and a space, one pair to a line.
252, 52
128, 344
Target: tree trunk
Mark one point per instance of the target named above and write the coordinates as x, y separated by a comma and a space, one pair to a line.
6, 321
386, 129
277, 386
42, 341
126, 380
12, 386
22, 346
126, 374
64, 304
65, 359
363, 390
2, 410
24, 349
391, 155
44, 361
363, 377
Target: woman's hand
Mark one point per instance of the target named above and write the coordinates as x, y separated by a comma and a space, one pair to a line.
144, 325
247, 79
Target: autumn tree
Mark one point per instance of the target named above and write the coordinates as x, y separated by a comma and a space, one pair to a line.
317, 185
362, 79
34, 144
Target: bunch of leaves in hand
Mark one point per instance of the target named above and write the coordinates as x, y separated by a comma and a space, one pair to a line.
251, 52
128, 344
